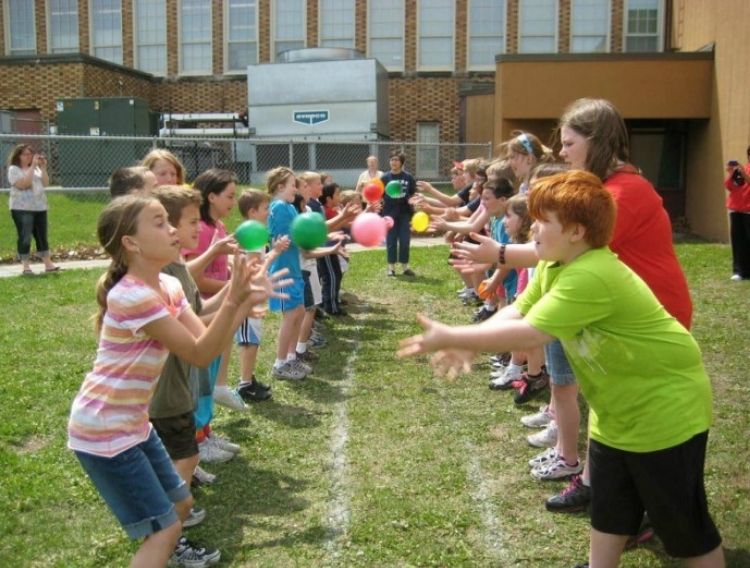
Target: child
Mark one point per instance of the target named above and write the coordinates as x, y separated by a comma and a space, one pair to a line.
126, 180
282, 187
165, 166
639, 369
253, 205
218, 188
525, 151
398, 208
143, 315
330, 276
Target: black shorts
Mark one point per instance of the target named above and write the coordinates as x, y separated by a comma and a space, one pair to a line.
668, 484
177, 433
308, 294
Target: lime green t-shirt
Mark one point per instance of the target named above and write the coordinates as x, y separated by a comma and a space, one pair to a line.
639, 369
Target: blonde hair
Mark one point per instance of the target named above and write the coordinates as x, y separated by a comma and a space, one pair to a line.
161, 154
277, 177
118, 219
519, 205
349, 195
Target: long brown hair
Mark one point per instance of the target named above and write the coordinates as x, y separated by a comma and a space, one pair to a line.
157, 154
600, 123
15, 155
119, 219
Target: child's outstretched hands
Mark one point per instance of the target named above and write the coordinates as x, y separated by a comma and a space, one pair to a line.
486, 252
251, 283
375, 207
281, 243
351, 210
225, 245
446, 361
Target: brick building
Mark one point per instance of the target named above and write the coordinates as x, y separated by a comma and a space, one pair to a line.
459, 70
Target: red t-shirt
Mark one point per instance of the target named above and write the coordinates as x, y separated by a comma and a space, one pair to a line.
738, 198
643, 240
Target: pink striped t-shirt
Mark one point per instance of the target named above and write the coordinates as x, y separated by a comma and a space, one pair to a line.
110, 411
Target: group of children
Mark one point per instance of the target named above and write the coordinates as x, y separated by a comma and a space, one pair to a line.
141, 439
558, 307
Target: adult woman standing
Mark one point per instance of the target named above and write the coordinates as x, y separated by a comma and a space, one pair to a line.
737, 184
27, 175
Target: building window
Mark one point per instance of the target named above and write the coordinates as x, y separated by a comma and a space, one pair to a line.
106, 30
241, 25
486, 32
289, 25
589, 26
428, 156
62, 16
385, 22
150, 36
436, 25
538, 26
336, 23
20, 31
643, 25
195, 36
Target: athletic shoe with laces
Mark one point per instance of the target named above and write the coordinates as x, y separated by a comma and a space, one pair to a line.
195, 517
288, 372
462, 291
210, 453
223, 443
228, 397
317, 341
503, 380
575, 497
189, 555
253, 392
307, 357
547, 438
547, 456
202, 477
538, 420
528, 387
556, 469
501, 360
304, 367
483, 314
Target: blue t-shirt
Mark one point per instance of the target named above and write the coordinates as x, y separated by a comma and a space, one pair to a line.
280, 217
499, 234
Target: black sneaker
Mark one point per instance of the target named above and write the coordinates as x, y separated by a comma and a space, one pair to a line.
259, 385
189, 555
483, 314
529, 387
408, 272
574, 498
252, 392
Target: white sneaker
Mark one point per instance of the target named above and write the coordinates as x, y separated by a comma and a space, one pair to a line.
229, 397
304, 367
546, 456
503, 380
556, 469
736, 278
223, 443
538, 420
547, 438
196, 517
202, 476
288, 372
211, 453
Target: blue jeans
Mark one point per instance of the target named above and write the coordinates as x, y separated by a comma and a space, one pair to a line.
139, 485
398, 239
30, 224
557, 364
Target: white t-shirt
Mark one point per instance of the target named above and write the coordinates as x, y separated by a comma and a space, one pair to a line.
30, 199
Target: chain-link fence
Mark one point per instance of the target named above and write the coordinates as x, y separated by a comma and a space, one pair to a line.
84, 163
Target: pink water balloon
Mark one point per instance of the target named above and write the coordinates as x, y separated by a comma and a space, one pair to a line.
368, 229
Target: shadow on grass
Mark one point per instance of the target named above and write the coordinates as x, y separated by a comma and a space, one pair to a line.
737, 557
286, 414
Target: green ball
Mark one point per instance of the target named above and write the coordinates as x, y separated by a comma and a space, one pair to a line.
309, 231
252, 235
393, 189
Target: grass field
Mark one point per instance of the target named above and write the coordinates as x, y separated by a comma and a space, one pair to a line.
370, 462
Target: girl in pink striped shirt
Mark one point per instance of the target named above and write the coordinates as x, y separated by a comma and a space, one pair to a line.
144, 315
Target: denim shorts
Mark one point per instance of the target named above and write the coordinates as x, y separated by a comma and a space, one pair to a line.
558, 367
139, 485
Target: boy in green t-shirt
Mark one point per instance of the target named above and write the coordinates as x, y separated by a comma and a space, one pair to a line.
639, 369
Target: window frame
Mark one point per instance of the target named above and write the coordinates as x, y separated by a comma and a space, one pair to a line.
608, 37
274, 20
6, 25
428, 68
226, 69
489, 67
92, 46
425, 146
402, 67
48, 21
165, 73
557, 28
202, 72
354, 25
659, 25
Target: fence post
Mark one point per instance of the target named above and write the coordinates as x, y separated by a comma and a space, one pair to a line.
291, 154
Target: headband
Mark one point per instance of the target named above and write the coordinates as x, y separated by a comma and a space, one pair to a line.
526, 143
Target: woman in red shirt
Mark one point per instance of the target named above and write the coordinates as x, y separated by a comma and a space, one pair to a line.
738, 203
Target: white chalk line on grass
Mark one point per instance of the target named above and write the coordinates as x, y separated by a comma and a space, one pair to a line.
338, 507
